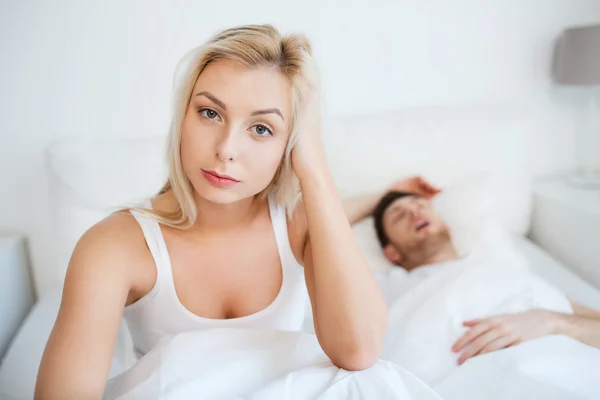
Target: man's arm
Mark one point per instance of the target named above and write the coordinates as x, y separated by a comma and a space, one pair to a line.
495, 333
582, 325
583, 311
360, 207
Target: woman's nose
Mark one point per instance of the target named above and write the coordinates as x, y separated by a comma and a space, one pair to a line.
227, 148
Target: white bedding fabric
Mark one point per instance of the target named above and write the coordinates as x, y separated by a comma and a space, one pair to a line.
254, 364
497, 375
426, 318
550, 368
427, 309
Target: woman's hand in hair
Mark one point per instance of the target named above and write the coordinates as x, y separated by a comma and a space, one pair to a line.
308, 155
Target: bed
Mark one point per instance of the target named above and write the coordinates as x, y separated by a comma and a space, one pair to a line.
90, 178
19, 367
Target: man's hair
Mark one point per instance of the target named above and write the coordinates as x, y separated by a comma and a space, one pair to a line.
383, 205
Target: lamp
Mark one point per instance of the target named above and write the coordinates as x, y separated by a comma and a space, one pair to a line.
577, 62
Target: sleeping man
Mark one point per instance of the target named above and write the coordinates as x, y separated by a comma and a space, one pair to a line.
415, 238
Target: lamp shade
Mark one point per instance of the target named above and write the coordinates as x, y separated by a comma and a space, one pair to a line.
577, 56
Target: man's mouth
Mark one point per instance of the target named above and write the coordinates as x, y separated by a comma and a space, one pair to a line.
421, 224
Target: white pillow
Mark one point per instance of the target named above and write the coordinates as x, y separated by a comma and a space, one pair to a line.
364, 231
89, 179
482, 203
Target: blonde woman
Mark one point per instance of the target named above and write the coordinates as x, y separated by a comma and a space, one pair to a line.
223, 244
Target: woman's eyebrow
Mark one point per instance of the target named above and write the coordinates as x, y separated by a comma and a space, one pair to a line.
218, 102
268, 111
212, 98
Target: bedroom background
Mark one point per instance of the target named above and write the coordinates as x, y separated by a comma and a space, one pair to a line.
75, 69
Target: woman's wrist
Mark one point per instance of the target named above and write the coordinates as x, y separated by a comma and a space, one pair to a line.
311, 169
317, 177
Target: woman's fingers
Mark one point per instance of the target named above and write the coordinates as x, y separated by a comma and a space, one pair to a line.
477, 330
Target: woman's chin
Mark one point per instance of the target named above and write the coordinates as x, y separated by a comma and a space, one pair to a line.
220, 196
227, 195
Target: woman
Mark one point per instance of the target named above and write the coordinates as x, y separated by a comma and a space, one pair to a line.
222, 244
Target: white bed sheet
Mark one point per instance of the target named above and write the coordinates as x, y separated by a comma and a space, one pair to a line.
18, 370
559, 275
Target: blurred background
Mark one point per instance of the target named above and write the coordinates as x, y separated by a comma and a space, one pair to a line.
75, 69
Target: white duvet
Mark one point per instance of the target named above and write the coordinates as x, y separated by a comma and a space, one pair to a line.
427, 308
253, 364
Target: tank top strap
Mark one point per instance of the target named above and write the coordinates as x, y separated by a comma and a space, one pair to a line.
155, 241
279, 220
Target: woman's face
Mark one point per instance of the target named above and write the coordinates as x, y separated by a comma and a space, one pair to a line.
235, 130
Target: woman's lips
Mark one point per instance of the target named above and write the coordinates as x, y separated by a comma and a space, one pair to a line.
219, 180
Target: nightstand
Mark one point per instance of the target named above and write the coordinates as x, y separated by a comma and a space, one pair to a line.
566, 223
16, 289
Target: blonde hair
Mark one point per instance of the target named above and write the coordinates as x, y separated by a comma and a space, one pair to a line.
252, 46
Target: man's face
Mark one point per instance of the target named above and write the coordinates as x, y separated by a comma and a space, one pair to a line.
411, 224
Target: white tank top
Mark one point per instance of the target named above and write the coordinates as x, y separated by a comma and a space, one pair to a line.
160, 313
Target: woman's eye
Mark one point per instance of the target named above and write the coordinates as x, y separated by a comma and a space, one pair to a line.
208, 113
261, 130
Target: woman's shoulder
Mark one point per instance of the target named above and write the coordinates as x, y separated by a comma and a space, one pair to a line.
119, 229
116, 245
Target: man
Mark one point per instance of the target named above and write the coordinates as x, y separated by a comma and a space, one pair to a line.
413, 235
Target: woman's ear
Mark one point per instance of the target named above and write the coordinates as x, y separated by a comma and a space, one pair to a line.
392, 254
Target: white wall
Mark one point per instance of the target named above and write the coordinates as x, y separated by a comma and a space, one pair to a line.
87, 68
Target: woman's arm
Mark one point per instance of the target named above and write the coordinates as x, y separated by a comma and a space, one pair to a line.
77, 358
349, 310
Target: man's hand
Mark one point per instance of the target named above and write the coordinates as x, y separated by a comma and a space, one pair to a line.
495, 333
416, 185
360, 207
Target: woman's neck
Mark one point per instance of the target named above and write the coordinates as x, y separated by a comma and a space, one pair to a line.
214, 217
